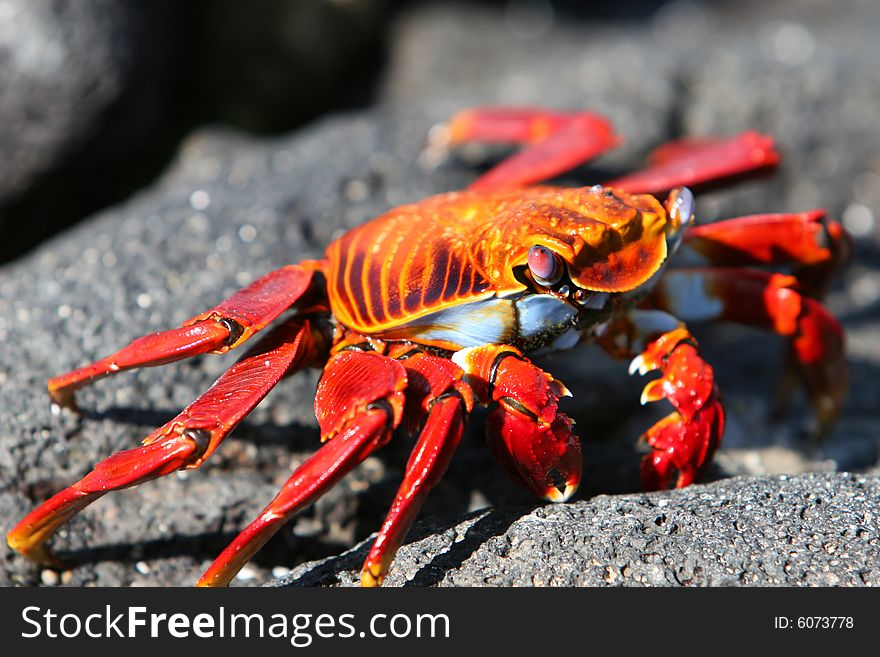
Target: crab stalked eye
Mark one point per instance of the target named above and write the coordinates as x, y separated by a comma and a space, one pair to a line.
545, 265
680, 205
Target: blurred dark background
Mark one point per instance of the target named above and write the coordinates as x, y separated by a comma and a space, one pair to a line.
96, 95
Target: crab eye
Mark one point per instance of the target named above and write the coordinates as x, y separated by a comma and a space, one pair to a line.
680, 205
544, 265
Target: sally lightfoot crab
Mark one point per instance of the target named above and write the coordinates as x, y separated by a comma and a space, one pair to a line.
436, 306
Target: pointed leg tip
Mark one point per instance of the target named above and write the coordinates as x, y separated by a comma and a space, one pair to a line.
20, 539
38, 553
437, 146
205, 583
440, 135
62, 398
827, 408
641, 365
214, 578
558, 495
372, 576
652, 392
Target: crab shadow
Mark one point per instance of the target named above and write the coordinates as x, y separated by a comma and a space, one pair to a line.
199, 547
192, 545
293, 434
489, 524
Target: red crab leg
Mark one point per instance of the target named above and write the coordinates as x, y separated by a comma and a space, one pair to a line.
555, 141
697, 162
773, 302
223, 327
685, 440
816, 246
184, 442
528, 434
359, 402
434, 389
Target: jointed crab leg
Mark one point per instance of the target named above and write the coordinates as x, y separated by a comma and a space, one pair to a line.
696, 163
772, 302
223, 327
685, 440
309, 481
430, 458
184, 442
782, 238
121, 470
359, 403
555, 141
559, 141
814, 245
434, 388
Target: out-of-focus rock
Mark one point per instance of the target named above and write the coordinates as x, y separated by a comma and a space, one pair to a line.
96, 95
267, 65
83, 85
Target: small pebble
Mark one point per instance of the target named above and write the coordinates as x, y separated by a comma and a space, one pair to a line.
199, 199
356, 190
246, 574
247, 233
49, 577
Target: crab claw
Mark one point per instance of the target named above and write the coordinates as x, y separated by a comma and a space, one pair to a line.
774, 302
685, 440
545, 459
528, 435
682, 445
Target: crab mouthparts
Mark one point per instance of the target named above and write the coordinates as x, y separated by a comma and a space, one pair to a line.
567, 290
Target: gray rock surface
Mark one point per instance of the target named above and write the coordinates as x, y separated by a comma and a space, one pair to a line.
807, 530
231, 207
84, 89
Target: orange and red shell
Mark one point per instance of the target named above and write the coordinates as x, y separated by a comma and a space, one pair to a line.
457, 248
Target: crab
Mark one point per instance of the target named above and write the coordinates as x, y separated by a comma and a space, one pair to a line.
432, 308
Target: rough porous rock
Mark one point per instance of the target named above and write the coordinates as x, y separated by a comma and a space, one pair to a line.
231, 207
808, 530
